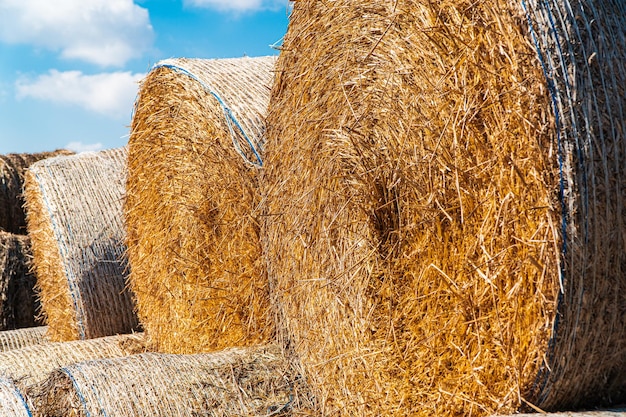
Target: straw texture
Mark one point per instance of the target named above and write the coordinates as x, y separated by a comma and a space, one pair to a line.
191, 208
418, 179
12, 402
18, 303
17, 339
12, 167
32, 364
77, 235
234, 382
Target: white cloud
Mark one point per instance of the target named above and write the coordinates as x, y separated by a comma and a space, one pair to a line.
236, 5
111, 94
83, 147
103, 32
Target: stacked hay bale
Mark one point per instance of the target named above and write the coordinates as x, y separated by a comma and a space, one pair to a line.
74, 206
32, 364
19, 306
234, 382
192, 204
445, 219
16, 339
12, 167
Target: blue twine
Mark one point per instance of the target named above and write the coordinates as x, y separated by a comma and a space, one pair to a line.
554, 98
77, 389
63, 252
19, 396
230, 117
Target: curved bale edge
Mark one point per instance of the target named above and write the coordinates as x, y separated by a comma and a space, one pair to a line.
12, 401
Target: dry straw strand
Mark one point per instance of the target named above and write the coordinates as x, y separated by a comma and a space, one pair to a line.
12, 167
191, 207
234, 382
17, 339
414, 208
77, 236
19, 305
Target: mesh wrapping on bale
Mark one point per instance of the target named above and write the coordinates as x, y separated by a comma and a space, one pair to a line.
12, 167
12, 401
32, 364
191, 207
17, 339
77, 236
19, 306
440, 240
235, 382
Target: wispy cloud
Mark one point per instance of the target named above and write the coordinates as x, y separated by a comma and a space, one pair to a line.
83, 147
111, 94
103, 32
236, 5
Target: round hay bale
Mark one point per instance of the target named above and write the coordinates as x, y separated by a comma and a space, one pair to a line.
191, 208
445, 216
12, 167
32, 364
19, 306
77, 235
17, 339
235, 382
12, 401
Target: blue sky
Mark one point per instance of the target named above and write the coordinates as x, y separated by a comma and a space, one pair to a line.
69, 68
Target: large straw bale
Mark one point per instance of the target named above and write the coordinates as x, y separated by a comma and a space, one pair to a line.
17, 339
77, 235
234, 382
445, 219
19, 306
12, 167
12, 401
191, 208
32, 364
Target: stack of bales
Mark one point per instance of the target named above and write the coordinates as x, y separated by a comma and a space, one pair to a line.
192, 201
445, 189
74, 213
22, 369
18, 304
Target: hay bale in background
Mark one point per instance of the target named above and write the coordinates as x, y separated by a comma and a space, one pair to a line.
17, 339
191, 208
32, 364
19, 306
234, 382
12, 167
12, 401
417, 178
77, 235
